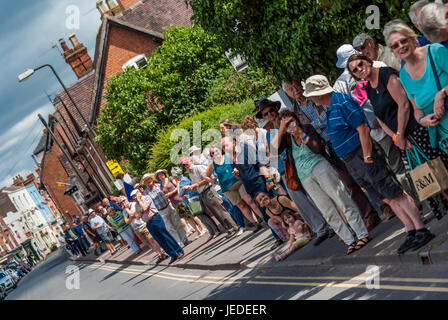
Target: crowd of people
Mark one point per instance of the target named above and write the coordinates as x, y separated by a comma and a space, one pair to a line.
332, 164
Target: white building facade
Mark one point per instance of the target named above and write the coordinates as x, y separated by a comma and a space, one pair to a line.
28, 223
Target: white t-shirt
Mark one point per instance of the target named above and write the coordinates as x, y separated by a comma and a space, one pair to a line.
98, 221
138, 221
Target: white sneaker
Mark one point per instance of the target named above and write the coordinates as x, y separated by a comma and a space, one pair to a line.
240, 232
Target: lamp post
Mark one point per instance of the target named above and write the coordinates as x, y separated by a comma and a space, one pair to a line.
81, 180
28, 73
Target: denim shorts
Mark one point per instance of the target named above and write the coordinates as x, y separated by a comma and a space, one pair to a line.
107, 236
374, 177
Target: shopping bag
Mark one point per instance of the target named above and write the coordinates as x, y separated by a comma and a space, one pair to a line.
429, 178
195, 206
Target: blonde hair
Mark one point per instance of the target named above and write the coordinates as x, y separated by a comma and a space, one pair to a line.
397, 25
249, 123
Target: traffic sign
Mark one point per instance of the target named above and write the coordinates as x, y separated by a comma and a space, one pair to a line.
114, 167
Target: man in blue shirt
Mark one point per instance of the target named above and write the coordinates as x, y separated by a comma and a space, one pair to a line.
349, 133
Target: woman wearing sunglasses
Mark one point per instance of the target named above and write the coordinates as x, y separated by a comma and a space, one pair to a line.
321, 181
418, 79
392, 109
232, 187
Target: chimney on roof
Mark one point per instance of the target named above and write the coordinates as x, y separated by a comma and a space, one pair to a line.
109, 7
77, 58
36, 168
17, 180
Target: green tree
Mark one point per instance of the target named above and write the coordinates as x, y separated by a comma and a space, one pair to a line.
172, 87
232, 87
292, 37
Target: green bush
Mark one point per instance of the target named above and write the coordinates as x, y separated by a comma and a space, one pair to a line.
177, 77
160, 152
233, 87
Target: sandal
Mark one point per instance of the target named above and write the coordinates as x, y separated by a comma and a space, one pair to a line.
351, 248
361, 243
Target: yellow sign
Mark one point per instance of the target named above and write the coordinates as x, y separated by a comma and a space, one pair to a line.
114, 167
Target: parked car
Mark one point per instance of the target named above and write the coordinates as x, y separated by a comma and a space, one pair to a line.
17, 266
7, 282
2, 292
13, 275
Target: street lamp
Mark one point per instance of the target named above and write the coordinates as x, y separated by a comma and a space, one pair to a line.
28, 73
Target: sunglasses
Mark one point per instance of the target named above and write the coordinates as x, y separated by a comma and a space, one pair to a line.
358, 67
271, 110
397, 44
360, 48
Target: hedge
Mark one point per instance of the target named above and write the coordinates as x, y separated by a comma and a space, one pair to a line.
160, 153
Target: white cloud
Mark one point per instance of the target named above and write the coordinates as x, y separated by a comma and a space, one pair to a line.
21, 128
15, 150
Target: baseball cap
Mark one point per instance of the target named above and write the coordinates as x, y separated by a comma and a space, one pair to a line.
184, 160
193, 149
360, 39
134, 192
343, 53
90, 211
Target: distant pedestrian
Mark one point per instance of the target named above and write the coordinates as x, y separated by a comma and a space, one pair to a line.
103, 229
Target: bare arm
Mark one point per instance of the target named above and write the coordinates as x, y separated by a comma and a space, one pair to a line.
174, 192
397, 92
208, 173
366, 142
429, 120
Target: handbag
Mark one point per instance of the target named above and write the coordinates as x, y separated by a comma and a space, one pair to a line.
429, 177
436, 77
291, 181
195, 206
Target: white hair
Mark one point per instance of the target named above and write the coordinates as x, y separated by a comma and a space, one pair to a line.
431, 19
397, 25
416, 6
284, 84
288, 82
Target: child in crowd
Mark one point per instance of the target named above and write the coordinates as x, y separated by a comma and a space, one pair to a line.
299, 234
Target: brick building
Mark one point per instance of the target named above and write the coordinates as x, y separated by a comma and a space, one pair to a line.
129, 32
8, 242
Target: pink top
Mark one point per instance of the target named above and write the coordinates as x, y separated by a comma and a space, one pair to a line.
299, 230
168, 188
360, 93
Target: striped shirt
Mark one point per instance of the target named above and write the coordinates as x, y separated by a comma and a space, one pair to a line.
118, 219
344, 117
319, 122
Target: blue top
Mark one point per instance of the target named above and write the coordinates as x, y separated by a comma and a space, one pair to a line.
80, 227
319, 122
425, 88
344, 117
225, 174
115, 206
184, 181
422, 41
249, 171
128, 188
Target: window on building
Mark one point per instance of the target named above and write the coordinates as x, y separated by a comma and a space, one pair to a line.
138, 62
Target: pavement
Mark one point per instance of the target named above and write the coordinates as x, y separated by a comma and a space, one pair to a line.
252, 250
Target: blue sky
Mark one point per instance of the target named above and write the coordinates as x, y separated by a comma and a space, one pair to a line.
28, 30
